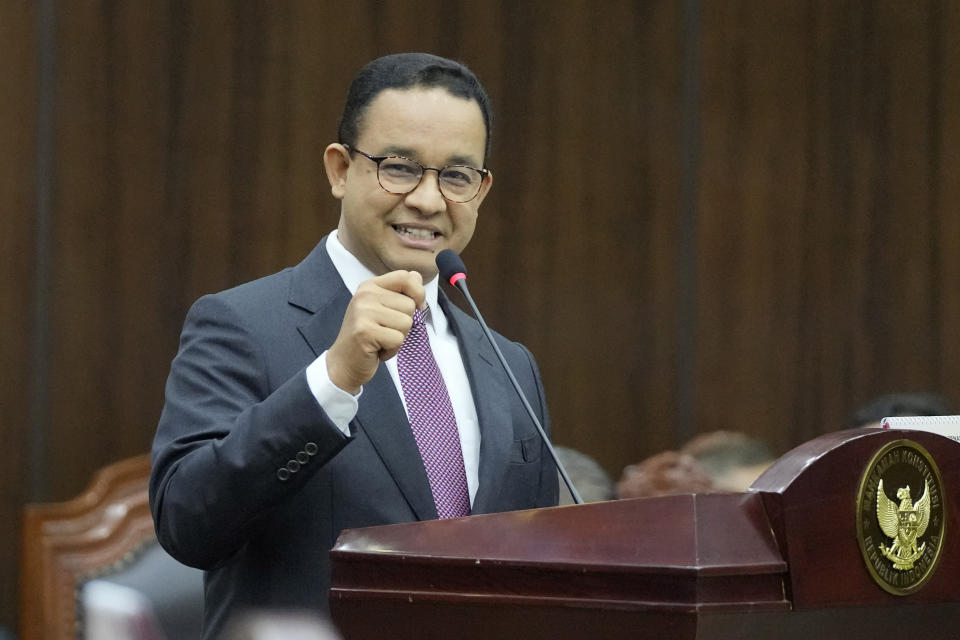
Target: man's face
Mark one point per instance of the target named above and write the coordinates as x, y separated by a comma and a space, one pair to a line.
388, 232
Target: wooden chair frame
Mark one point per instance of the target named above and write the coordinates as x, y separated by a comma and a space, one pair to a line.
99, 532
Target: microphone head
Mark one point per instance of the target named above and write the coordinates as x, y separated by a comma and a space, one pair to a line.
451, 267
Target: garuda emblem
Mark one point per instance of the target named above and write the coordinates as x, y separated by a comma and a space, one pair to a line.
905, 523
901, 538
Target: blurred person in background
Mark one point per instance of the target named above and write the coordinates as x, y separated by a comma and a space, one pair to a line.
892, 405
732, 459
664, 473
711, 462
592, 482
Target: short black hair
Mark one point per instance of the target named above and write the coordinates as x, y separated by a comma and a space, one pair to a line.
918, 403
407, 71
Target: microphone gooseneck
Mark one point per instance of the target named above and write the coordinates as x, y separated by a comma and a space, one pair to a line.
453, 270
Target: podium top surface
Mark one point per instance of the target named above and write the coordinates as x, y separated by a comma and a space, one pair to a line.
707, 534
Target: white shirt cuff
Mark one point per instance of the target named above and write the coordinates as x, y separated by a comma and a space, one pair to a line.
339, 405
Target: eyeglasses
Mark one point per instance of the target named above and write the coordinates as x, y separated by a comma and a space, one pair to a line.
400, 176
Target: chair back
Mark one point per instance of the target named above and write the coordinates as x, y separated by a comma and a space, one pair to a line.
102, 531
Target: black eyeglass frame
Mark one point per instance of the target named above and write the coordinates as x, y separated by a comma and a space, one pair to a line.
423, 169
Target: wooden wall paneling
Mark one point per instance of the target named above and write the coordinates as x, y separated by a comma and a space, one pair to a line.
256, 136
205, 129
840, 193
18, 109
656, 380
107, 316
626, 229
751, 210
405, 26
479, 26
318, 76
552, 241
854, 191
818, 275
947, 176
619, 243
892, 331
871, 188
137, 144
902, 276
84, 289
263, 135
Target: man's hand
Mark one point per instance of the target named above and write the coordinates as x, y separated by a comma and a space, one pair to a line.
378, 319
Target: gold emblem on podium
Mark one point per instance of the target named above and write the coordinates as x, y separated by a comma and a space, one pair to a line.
900, 517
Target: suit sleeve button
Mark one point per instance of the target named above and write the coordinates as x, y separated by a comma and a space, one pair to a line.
311, 448
302, 457
283, 474
293, 466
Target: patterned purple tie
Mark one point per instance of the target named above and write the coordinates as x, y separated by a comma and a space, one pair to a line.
433, 423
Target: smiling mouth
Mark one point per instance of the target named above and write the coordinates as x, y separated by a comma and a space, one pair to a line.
415, 234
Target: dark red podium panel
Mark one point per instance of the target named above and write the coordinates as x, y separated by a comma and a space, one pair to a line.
780, 561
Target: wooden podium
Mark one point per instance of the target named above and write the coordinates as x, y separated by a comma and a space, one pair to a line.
779, 561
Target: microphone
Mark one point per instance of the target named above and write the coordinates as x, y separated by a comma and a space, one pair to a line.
454, 271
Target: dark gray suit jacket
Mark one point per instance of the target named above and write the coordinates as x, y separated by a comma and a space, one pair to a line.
238, 410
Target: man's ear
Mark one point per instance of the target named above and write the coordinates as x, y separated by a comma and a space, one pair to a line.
336, 161
485, 187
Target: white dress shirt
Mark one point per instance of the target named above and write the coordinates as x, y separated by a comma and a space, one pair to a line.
341, 406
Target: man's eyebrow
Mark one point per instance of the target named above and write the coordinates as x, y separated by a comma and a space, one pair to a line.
407, 152
464, 160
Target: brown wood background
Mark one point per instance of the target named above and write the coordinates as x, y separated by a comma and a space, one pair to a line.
737, 214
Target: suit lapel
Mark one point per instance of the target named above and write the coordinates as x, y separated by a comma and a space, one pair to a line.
317, 287
492, 395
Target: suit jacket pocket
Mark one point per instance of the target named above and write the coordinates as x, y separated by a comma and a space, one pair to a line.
525, 450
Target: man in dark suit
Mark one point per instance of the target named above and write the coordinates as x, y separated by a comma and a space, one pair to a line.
286, 414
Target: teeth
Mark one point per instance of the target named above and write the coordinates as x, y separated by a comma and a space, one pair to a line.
417, 234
